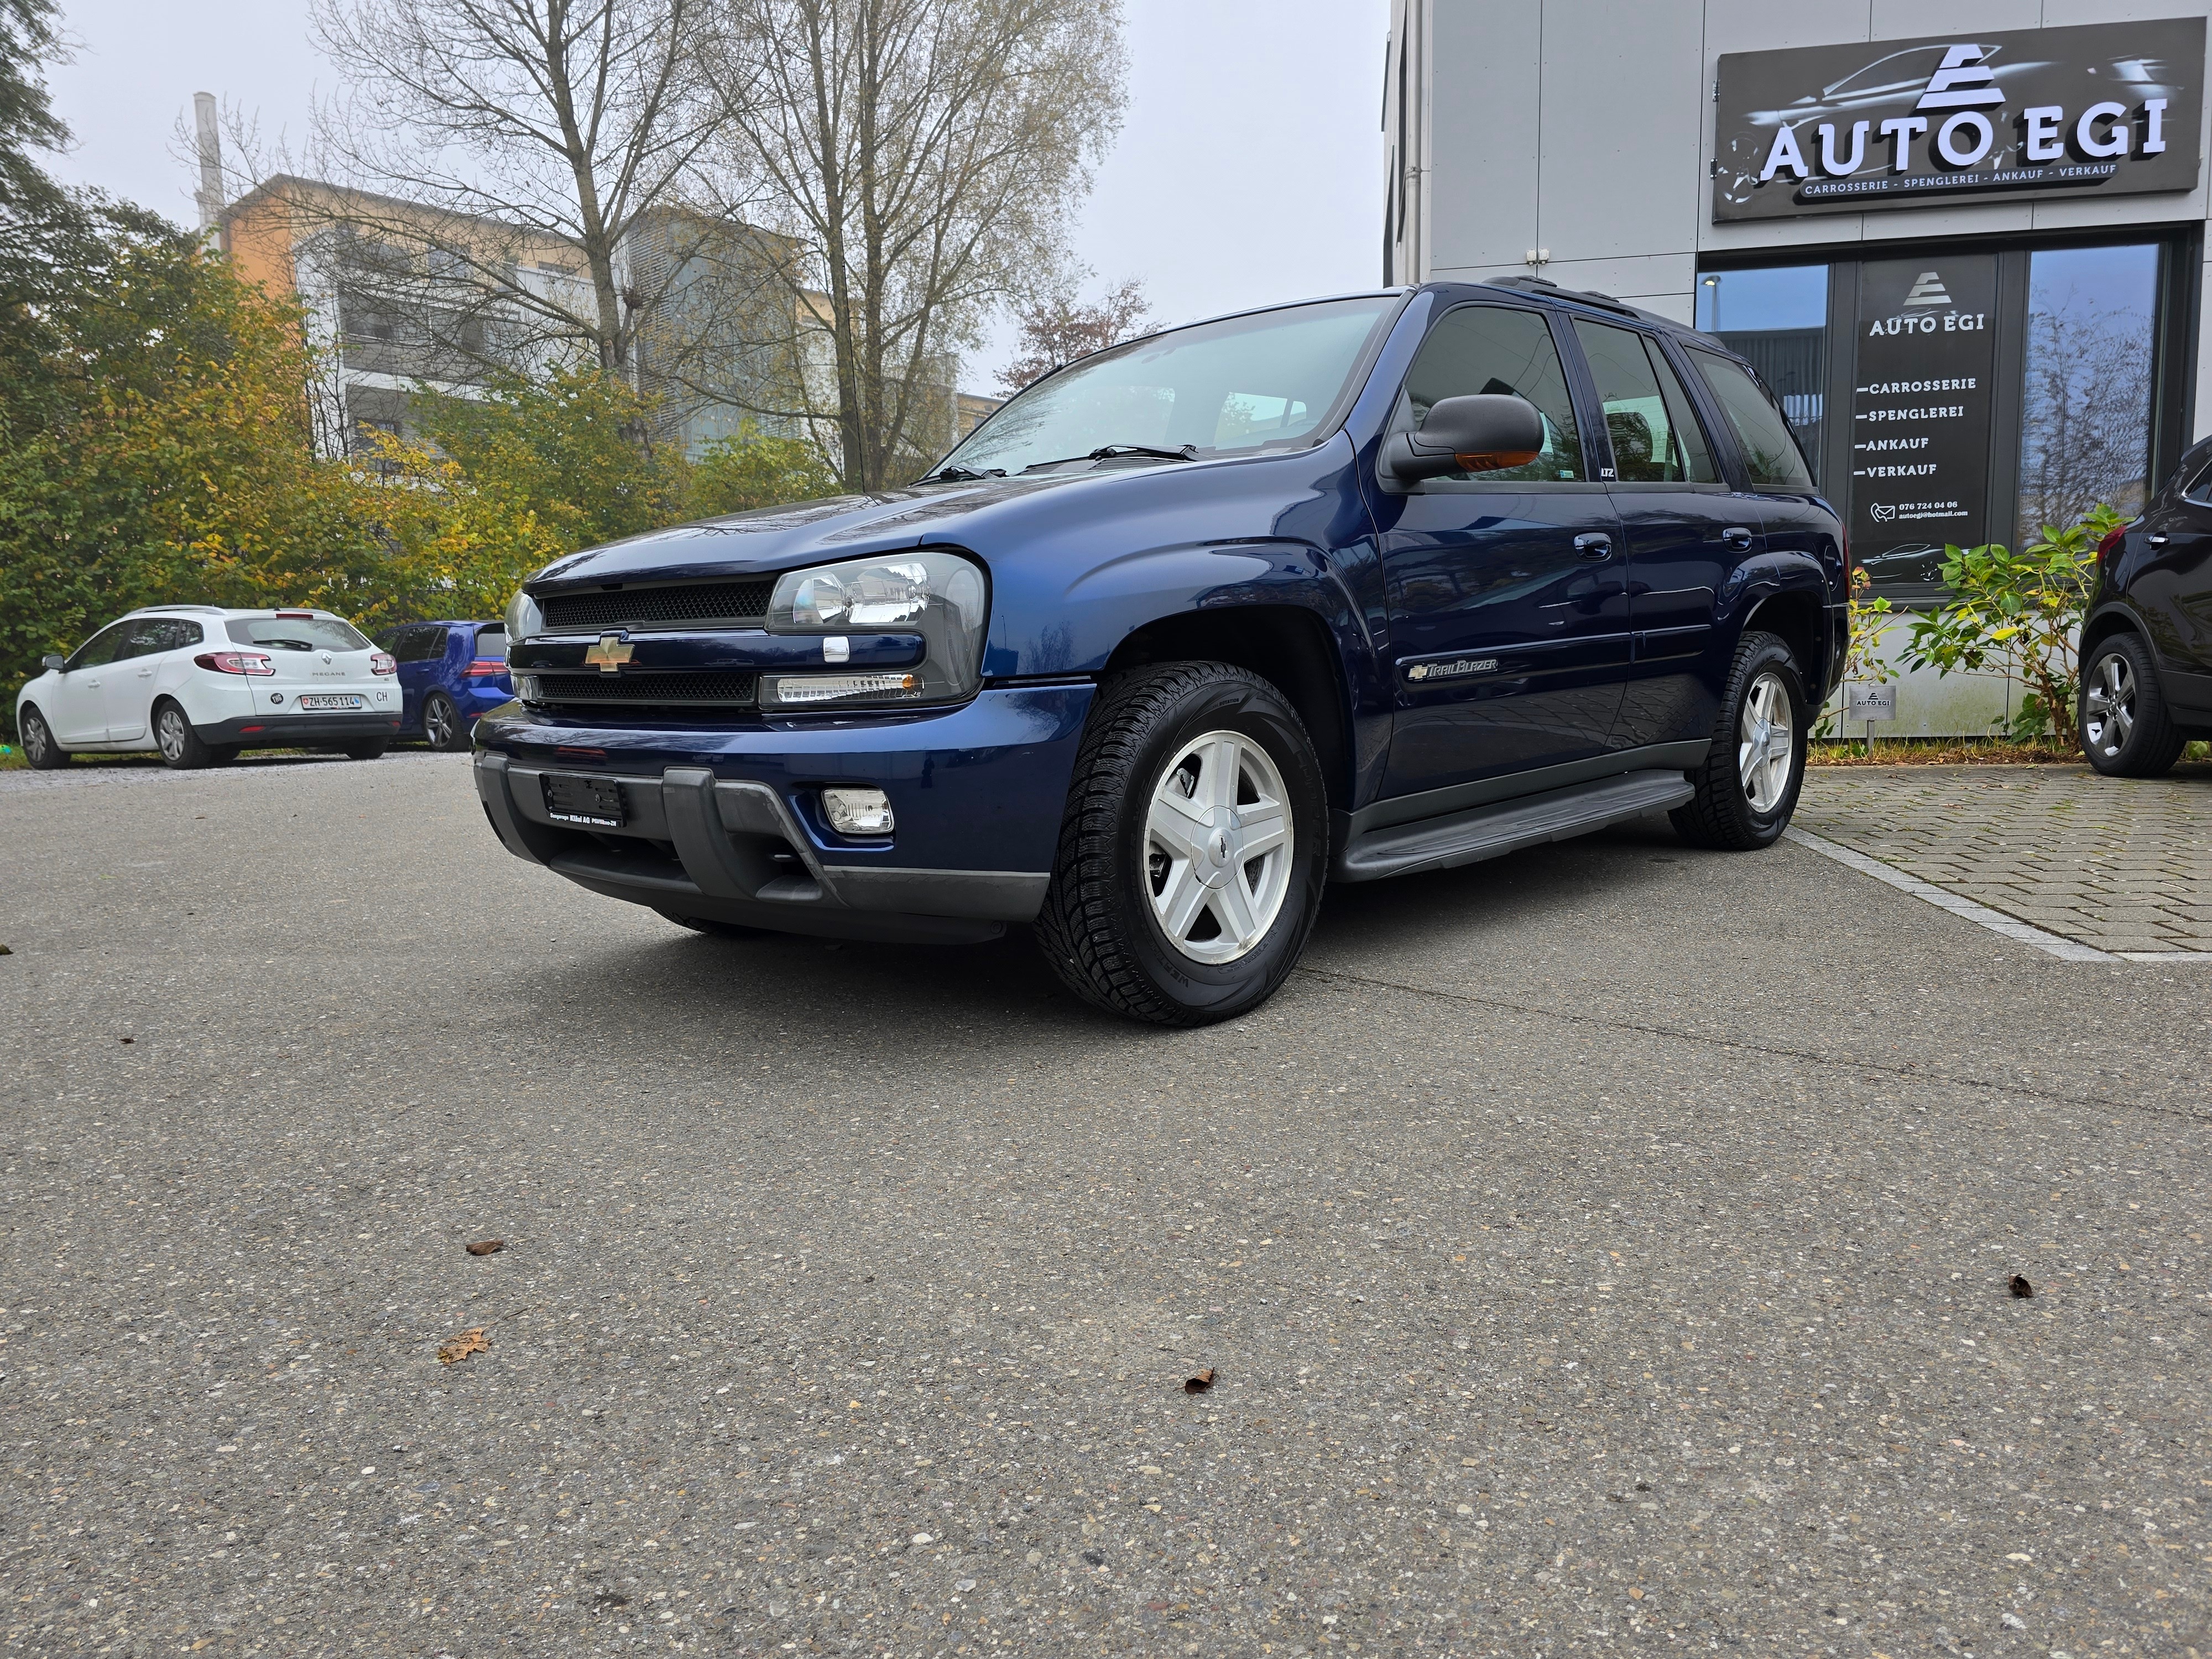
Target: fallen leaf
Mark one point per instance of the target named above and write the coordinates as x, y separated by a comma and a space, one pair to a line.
2021, 1288
468, 1342
130, 1039
5, 951
1200, 1383
487, 1247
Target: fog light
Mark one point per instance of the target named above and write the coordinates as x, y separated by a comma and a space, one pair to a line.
858, 812
795, 691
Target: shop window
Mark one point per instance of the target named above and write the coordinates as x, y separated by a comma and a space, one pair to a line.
1775, 318
2086, 393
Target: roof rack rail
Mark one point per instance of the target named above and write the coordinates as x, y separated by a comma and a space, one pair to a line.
1587, 296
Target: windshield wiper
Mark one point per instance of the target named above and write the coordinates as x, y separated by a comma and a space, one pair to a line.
962, 474
1112, 452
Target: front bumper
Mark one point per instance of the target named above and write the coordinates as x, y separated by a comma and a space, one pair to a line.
725, 825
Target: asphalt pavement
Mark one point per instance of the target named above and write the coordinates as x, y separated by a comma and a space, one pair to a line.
1609, 1249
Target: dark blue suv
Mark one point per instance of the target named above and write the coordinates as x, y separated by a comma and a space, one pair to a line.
450, 673
1365, 586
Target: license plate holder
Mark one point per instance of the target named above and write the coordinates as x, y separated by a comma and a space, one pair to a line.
594, 803
328, 700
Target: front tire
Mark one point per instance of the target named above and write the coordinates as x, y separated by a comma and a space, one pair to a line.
39, 748
1194, 847
441, 724
179, 744
2123, 722
1747, 787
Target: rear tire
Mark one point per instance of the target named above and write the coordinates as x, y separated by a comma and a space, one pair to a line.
1747, 787
179, 744
367, 751
39, 748
1194, 850
221, 754
441, 724
2123, 722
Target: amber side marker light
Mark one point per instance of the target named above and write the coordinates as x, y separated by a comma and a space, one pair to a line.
1498, 460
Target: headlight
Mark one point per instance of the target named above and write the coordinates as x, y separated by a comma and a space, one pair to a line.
938, 595
524, 618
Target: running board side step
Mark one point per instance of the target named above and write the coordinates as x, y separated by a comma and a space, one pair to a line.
1489, 832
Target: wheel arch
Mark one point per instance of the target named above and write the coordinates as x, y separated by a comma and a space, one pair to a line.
1290, 647
2108, 619
1798, 617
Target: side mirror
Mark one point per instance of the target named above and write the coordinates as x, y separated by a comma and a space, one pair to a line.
1481, 433
51, 663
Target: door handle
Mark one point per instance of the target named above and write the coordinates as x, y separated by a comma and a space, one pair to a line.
1594, 545
1737, 537
145, 673
2158, 541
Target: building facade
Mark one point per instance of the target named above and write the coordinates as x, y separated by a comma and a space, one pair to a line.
1963, 240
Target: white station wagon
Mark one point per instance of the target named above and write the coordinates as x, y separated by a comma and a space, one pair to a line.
199, 682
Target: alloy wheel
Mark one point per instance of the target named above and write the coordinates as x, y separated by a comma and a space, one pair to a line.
171, 732
1218, 846
2108, 706
1766, 743
438, 723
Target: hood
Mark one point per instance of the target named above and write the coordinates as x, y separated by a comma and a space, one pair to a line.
810, 532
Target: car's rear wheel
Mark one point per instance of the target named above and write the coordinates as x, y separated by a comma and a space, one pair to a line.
179, 744
221, 754
39, 745
441, 724
2124, 727
1747, 787
1194, 847
370, 751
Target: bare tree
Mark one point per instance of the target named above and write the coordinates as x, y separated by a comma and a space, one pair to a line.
924, 156
1058, 328
2085, 434
510, 156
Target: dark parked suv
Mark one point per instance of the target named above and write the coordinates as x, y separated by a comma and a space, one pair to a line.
1366, 586
2146, 641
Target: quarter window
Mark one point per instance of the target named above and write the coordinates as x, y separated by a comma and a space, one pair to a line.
1656, 437
1494, 349
1770, 453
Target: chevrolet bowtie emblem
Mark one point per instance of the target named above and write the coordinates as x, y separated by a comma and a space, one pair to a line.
608, 654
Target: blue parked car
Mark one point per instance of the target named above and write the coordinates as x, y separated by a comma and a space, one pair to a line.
450, 672
1366, 586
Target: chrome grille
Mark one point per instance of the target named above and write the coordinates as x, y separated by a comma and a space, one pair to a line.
697, 602
704, 689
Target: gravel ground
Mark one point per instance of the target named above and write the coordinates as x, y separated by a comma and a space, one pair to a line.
1604, 1248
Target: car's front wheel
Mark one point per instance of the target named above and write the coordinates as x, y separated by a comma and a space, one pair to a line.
179, 744
441, 724
2125, 730
39, 745
1747, 787
1194, 847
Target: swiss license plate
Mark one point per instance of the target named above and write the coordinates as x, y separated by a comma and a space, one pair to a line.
594, 802
334, 699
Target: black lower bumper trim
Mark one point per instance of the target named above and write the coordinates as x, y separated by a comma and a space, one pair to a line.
298, 731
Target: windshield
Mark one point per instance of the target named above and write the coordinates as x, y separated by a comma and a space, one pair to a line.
1244, 383
296, 634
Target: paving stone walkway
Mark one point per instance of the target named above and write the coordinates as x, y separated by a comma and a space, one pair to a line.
2122, 864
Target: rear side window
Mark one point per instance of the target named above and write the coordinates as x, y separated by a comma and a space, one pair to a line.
1491, 348
1770, 451
296, 634
424, 642
491, 644
153, 634
1656, 437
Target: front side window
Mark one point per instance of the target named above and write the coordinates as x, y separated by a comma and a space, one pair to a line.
1493, 348
1656, 437
296, 634
1770, 453
1236, 387
101, 649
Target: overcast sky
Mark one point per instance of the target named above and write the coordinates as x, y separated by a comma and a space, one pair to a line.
1250, 168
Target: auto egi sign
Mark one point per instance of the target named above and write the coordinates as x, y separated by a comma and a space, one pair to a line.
2105, 109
